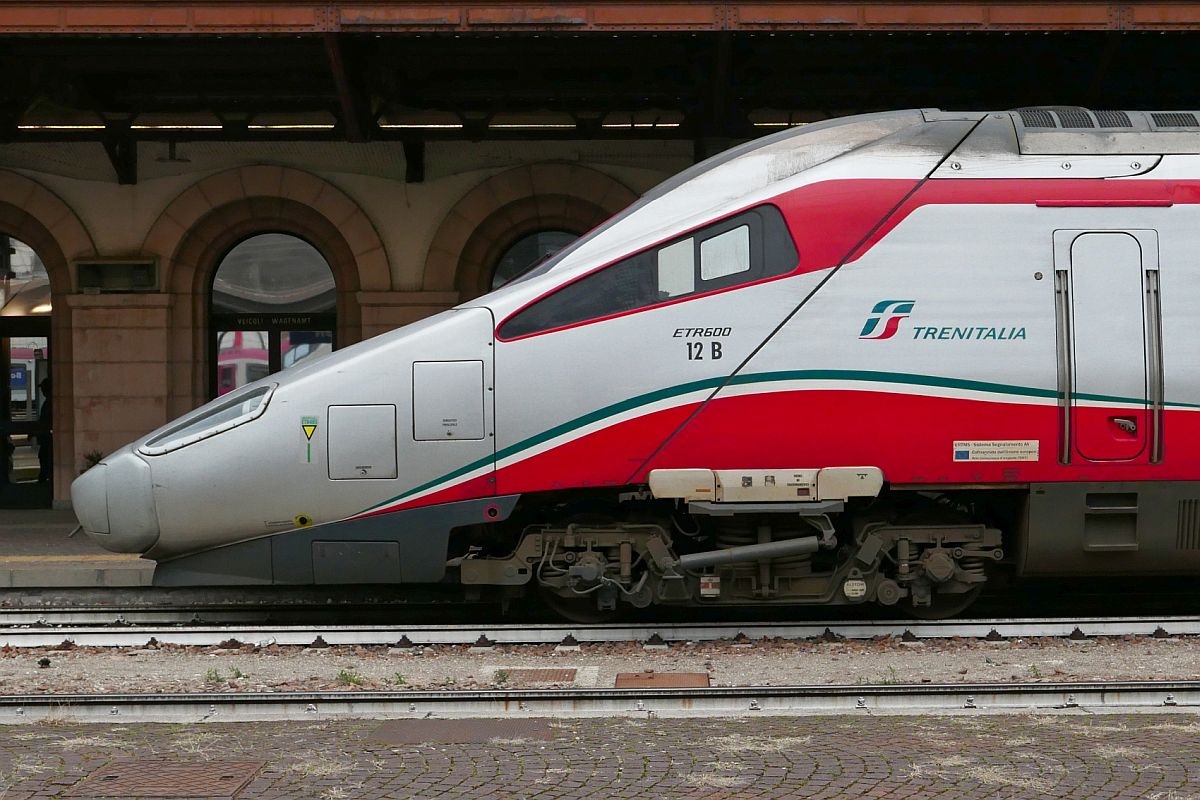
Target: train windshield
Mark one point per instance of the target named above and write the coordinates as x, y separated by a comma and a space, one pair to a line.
737, 172
217, 417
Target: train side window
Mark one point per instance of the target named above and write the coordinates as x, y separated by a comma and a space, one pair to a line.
753, 245
677, 269
727, 253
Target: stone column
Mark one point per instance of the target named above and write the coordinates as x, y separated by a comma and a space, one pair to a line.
120, 368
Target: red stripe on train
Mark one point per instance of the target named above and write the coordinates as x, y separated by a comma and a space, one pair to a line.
910, 437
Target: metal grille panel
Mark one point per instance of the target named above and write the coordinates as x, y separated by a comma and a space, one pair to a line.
1033, 118
662, 680
1175, 120
1074, 118
1113, 119
128, 778
1187, 535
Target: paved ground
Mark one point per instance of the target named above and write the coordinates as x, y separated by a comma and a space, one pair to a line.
26, 532
1140, 756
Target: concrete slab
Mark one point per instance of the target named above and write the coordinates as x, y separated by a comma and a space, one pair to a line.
37, 551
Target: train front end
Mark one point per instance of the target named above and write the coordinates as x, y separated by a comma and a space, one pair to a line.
305, 476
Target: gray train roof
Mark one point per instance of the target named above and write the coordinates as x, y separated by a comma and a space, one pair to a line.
999, 137
1072, 130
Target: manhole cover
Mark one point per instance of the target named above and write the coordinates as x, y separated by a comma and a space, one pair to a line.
127, 778
460, 731
662, 680
538, 675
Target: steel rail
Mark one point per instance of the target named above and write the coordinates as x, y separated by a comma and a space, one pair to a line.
1079, 697
108, 617
487, 635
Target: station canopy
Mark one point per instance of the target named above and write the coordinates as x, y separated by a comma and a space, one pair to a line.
121, 73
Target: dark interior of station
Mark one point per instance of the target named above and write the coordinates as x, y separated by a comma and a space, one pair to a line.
700, 86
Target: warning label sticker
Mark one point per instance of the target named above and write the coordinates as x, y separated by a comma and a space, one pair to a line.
997, 450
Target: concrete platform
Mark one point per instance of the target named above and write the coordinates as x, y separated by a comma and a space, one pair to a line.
35, 552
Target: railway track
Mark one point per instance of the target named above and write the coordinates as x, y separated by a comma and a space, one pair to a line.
1075, 697
49, 630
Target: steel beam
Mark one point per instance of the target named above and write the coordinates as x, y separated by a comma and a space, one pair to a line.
122, 153
59, 629
1081, 697
356, 116
385, 16
237, 133
414, 160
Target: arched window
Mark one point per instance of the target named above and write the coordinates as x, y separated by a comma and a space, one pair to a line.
26, 441
273, 306
527, 251
24, 285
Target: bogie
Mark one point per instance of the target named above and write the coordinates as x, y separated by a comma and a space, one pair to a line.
899, 552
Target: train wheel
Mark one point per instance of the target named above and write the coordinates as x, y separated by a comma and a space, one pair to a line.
581, 610
944, 606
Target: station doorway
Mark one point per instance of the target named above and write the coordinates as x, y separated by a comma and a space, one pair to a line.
26, 435
273, 306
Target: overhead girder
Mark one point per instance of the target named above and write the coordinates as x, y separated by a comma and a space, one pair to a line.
354, 103
122, 151
377, 17
709, 82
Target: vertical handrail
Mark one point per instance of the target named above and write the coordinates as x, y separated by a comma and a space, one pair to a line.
1154, 358
1062, 314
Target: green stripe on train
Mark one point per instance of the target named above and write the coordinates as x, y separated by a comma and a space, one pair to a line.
864, 376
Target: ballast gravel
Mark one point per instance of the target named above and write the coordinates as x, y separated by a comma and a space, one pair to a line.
274, 668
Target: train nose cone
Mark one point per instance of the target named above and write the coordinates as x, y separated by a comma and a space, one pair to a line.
90, 500
115, 503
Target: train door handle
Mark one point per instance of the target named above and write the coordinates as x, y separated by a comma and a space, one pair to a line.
1127, 424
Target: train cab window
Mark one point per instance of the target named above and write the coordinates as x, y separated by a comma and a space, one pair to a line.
749, 247
677, 268
725, 254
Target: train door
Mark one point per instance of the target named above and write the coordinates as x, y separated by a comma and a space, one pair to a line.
1110, 362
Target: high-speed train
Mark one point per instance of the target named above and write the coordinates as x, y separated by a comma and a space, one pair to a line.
874, 359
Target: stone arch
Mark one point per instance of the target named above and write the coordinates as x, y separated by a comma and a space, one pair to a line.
41, 219
257, 190
195, 259
495, 214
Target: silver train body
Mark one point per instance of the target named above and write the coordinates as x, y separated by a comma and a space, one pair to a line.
870, 360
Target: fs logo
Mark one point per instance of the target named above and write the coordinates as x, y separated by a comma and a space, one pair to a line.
886, 321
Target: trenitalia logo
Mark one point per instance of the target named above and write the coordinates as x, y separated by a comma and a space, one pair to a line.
886, 321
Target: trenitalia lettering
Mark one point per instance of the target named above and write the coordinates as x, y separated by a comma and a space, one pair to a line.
979, 332
887, 315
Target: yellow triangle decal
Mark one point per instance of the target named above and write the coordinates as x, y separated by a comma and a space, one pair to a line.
309, 430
